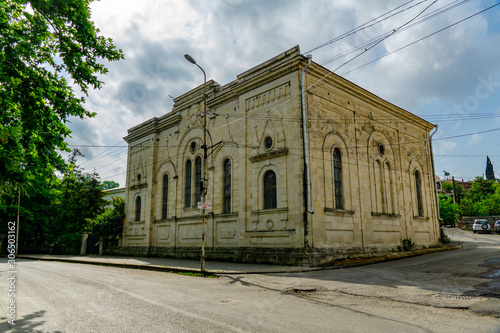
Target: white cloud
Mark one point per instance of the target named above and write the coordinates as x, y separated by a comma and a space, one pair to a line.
226, 37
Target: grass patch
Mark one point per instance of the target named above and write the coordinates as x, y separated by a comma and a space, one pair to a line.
196, 274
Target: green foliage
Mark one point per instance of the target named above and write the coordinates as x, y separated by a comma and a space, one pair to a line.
11, 152
196, 274
444, 237
482, 199
109, 184
56, 209
481, 189
448, 211
408, 244
81, 198
449, 187
490, 172
44, 42
110, 223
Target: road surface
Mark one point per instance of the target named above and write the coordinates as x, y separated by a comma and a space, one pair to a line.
455, 291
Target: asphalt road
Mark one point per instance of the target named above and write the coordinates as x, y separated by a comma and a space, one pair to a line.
456, 291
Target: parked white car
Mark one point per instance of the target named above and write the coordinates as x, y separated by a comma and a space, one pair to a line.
481, 226
496, 227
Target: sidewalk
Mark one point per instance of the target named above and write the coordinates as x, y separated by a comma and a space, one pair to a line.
217, 267
170, 265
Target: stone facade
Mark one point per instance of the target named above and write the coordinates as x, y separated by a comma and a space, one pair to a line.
371, 181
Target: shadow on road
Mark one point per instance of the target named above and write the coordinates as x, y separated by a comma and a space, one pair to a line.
472, 270
27, 323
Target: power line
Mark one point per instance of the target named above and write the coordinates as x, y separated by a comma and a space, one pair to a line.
365, 25
464, 155
87, 161
468, 134
383, 38
421, 39
363, 66
371, 42
240, 146
397, 144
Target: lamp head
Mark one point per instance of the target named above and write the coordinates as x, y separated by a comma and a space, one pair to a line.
190, 59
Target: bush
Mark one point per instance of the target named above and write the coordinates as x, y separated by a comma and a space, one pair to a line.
408, 244
110, 223
444, 237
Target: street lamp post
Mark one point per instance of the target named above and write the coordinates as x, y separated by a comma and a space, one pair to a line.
204, 163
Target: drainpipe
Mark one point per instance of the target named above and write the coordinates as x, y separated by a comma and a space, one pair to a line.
304, 132
434, 177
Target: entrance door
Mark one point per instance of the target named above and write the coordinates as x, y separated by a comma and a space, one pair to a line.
93, 242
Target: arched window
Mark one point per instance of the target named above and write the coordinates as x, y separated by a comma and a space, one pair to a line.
197, 180
337, 179
138, 209
270, 197
187, 188
165, 198
418, 190
227, 187
379, 186
388, 191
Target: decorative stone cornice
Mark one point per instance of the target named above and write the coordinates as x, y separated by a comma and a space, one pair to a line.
387, 215
273, 69
269, 211
153, 125
335, 211
138, 187
269, 155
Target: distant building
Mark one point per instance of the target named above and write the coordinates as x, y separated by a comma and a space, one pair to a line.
117, 192
370, 183
465, 185
439, 184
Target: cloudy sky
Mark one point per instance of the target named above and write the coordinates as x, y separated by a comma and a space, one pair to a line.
451, 78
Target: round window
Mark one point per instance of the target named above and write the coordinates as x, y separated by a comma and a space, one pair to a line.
268, 142
192, 147
381, 150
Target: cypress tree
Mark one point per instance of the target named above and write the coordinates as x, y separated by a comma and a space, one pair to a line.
490, 173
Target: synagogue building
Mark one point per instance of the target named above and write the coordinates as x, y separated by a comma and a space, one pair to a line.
302, 167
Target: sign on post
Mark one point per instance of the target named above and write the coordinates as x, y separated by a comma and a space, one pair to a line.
204, 205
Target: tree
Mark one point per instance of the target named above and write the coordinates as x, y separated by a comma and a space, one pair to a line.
481, 189
57, 209
80, 198
43, 42
447, 186
109, 184
459, 190
109, 224
483, 198
448, 211
490, 173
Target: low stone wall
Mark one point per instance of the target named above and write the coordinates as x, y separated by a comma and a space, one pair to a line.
277, 256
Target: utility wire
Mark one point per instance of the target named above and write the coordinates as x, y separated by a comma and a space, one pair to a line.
394, 52
385, 37
364, 26
371, 42
291, 149
87, 161
421, 39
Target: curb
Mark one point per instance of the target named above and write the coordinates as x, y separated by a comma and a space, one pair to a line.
339, 264
155, 268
